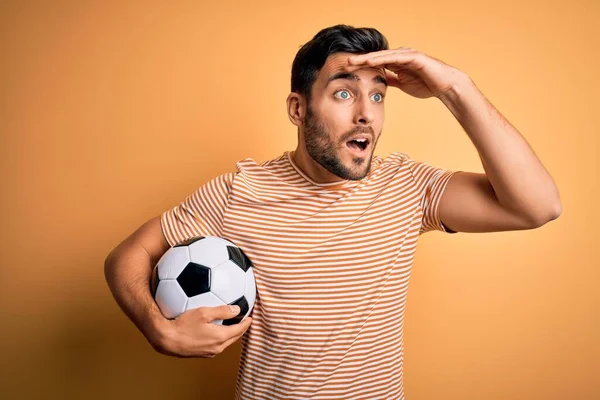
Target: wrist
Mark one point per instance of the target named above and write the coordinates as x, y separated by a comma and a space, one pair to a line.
159, 331
457, 95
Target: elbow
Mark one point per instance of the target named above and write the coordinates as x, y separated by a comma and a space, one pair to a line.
108, 266
543, 216
107, 269
556, 211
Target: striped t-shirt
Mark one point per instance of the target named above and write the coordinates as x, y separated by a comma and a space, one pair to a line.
332, 263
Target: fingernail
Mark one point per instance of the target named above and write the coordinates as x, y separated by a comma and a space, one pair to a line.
234, 308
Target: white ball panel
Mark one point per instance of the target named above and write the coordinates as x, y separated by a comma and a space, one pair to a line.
170, 298
173, 262
228, 282
229, 242
210, 251
205, 300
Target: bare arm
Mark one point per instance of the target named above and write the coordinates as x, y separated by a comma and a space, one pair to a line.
128, 269
516, 191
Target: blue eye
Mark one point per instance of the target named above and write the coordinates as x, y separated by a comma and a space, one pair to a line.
343, 96
380, 97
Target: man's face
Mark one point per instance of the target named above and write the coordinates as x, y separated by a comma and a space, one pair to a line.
347, 101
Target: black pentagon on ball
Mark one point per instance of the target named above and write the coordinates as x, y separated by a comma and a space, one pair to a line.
243, 304
239, 258
189, 241
194, 279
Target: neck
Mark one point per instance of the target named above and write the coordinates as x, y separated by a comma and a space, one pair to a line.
310, 167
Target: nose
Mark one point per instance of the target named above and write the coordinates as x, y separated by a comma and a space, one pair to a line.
365, 112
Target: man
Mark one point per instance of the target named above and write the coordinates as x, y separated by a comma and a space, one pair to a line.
332, 229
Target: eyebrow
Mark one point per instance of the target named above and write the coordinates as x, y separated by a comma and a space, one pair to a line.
353, 77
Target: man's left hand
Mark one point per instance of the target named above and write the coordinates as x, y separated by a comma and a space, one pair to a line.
411, 71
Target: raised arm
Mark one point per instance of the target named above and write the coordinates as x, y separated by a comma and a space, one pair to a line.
516, 192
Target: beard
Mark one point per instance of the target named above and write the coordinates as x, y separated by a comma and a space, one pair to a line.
324, 151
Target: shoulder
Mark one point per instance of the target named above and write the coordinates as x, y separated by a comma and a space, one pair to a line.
401, 166
402, 160
249, 167
244, 167
393, 161
395, 158
249, 163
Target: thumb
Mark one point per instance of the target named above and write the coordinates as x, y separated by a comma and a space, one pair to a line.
223, 312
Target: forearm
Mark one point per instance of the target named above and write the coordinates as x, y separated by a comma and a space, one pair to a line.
127, 272
520, 181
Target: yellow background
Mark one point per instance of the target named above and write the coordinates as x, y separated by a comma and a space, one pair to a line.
111, 113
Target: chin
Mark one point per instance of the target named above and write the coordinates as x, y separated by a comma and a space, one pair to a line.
358, 172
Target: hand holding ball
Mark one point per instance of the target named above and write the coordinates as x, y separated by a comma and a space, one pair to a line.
204, 272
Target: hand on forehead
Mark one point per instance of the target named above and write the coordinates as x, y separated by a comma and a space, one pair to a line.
338, 62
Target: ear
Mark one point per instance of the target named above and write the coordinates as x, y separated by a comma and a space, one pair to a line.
296, 107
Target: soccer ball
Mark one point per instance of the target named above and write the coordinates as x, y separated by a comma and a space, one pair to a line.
204, 272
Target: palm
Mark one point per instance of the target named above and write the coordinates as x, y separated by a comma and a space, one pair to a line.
409, 83
418, 79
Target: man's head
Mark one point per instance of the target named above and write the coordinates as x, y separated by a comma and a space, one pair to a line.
332, 102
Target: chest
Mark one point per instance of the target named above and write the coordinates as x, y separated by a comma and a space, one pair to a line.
305, 244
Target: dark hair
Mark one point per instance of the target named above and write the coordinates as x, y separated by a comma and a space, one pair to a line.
339, 38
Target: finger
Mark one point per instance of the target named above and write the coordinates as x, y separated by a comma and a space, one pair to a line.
237, 329
400, 60
382, 53
232, 340
193, 313
208, 314
361, 58
222, 312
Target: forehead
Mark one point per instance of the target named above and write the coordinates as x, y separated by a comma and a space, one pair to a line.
338, 62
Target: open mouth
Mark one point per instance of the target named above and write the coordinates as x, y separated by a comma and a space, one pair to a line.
358, 146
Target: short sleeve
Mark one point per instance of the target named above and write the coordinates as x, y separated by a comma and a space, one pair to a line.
200, 213
430, 183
